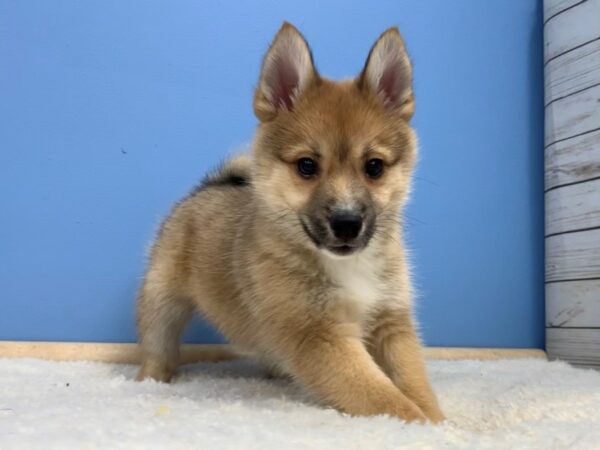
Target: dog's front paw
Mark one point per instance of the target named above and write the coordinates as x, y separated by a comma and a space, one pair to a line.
436, 417
433, 413
412, 413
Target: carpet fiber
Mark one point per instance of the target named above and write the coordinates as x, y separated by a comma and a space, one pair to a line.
489, 404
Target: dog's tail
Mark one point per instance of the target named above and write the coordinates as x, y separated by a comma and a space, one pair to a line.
235, 172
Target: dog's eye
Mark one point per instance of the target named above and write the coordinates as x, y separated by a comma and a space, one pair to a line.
374, 168
307, 167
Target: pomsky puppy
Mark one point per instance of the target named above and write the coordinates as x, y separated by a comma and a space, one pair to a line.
295, 252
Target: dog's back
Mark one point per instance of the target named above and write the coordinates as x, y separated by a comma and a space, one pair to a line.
192, 256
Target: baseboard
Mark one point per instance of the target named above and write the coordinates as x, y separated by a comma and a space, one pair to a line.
128, 353
483, 353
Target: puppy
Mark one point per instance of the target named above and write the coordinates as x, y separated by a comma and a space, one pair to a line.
295, 252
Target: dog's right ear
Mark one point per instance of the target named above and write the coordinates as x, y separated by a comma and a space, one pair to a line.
286, 72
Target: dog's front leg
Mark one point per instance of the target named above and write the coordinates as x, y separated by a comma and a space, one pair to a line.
397, 349
341, 371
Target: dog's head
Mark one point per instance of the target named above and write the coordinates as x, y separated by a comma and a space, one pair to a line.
333, 160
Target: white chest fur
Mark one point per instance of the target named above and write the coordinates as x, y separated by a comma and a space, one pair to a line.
356, 278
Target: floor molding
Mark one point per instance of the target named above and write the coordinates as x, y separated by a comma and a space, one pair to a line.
128, 353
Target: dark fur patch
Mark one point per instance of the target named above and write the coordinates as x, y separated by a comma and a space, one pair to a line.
226, 179
224, 176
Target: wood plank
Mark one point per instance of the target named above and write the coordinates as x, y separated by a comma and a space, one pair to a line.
573, 304
573, 161
571, 29
128, 353
572, 72
573, 207
573, 115
577, 345
553, 7
573, 256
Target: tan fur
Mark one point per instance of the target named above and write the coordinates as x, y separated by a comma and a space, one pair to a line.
237, 253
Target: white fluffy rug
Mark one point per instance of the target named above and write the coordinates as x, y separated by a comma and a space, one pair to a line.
489, 404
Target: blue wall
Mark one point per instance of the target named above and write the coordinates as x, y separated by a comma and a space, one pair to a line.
112, 110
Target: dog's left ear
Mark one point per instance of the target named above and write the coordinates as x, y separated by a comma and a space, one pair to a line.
388, 73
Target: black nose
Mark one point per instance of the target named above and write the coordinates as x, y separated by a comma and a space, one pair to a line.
345, 225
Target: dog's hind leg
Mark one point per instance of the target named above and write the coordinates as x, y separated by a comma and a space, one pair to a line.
161, 317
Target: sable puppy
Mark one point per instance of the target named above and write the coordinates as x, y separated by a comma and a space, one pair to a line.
295, 252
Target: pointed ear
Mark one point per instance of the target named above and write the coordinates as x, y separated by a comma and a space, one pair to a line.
286, 72
388, 73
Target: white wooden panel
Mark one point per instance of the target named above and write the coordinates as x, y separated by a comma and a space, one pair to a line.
571, 28
573, 115
552, 7
573, 256
573, 304
573, 207
572, 72
574, 160
572, 164
576, 345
